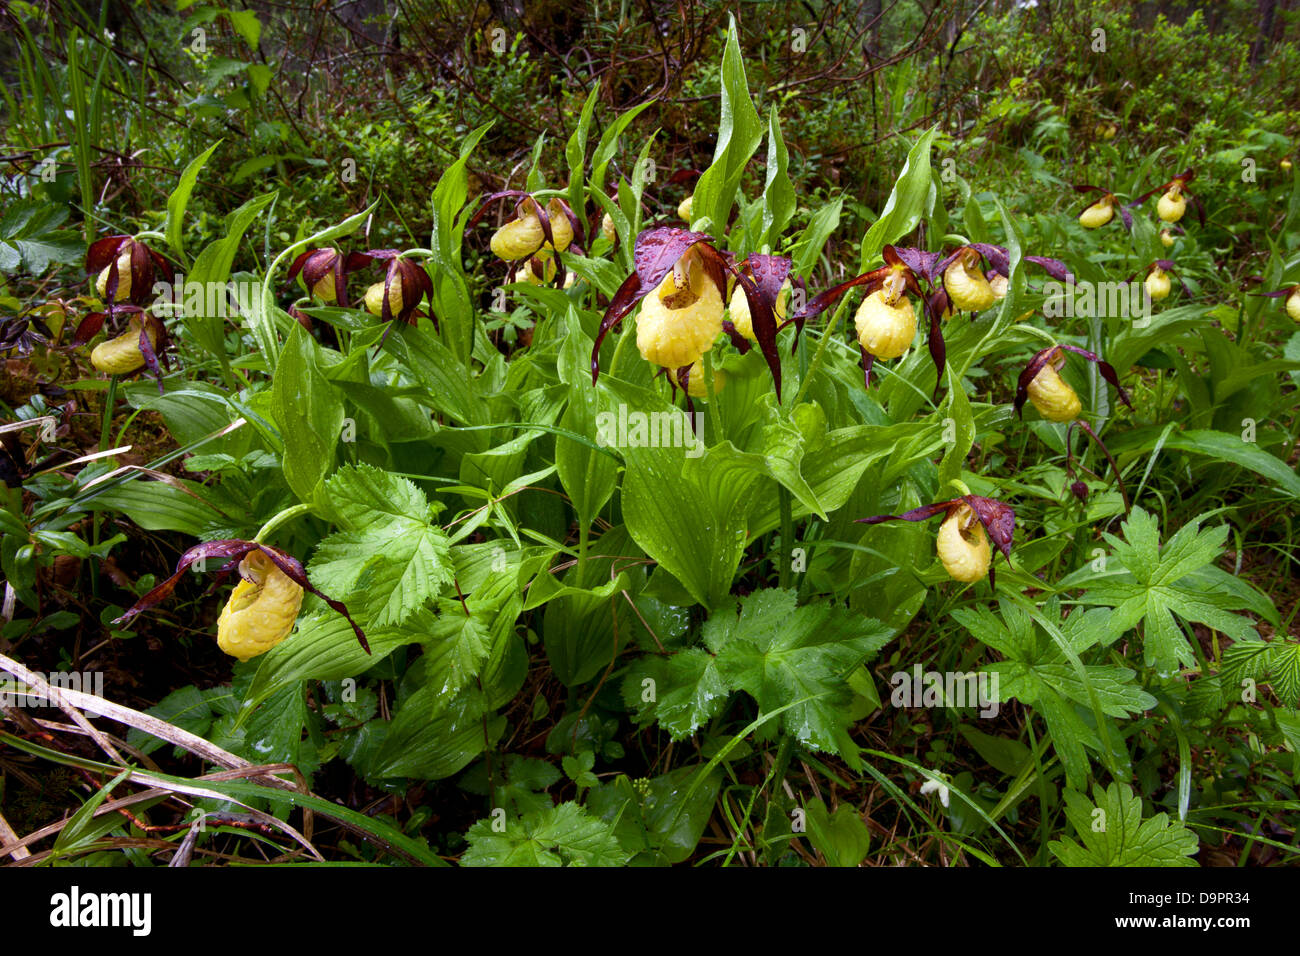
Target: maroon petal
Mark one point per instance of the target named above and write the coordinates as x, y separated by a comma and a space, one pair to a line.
938, 349
997, 257
104, 251
868, 361
922, 513
998, 518
89, 327
1053, 267
628, 294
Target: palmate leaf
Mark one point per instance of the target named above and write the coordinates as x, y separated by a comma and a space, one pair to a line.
392, 558
778, 653
1114, 833
558, 836
1163, 582
1037, 673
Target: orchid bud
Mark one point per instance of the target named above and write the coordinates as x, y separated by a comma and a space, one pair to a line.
607, 228
966, 284
684, 208
963, 546
261, 611
122, 355
1285, 165
1166, 238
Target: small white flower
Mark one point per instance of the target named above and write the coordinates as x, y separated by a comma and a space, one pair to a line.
936, 786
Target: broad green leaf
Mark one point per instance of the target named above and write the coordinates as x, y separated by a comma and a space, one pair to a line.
1114, 833
180, 198
1155, 589
739, 132
781, 654
560, 836
391, 558
912, 197
308, 413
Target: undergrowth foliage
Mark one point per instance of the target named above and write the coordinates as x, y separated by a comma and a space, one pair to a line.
597, 533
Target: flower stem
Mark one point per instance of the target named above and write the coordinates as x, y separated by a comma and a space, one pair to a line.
288, 514
618, 349
105, 433
787, 536
820, 355
715, 416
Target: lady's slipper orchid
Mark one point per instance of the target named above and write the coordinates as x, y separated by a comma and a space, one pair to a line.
679, 322
1174, 197
738, 308
1157, 282
607, 228
885, 320
969, 523
324, 271
136, 346
125, 354
1102, 211
1041, 384
261, 611
1292, 295
680, 279
1054, 402
1167, 238
125, 269
684, 209
965, 282
406, 282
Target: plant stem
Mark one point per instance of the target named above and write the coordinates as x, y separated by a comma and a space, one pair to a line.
715, 416
820, 355
618, 349
288, 514
105, 431
787, 535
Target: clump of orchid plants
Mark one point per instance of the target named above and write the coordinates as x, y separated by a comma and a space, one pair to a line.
679, 278
262, 609
962, 544
1056, 401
